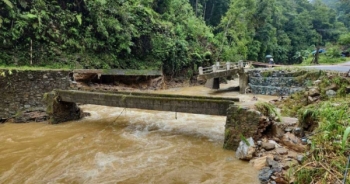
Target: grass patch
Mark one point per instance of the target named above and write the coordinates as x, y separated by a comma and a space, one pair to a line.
327, 157
268, 110
28, 67
323, 59
327, 123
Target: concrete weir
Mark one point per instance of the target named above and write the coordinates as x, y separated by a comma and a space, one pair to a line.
61, 107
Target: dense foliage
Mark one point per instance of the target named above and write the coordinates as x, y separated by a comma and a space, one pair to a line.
104, 34
286, 29
176, 35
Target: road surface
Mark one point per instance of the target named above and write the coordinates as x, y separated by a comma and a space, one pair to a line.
343, 67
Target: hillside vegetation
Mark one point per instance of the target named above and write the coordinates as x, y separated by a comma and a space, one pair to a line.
175, 35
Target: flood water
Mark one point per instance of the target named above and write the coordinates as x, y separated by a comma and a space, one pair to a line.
127, 146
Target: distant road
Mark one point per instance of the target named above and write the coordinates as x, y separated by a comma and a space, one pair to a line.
343, 67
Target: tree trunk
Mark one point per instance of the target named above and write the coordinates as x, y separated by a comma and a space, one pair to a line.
212, 11
317, 50
31, 52
316, 55
205, 8
196, 7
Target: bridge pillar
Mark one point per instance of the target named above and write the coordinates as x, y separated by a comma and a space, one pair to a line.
60, 111
243, 82
240, 123
240, 64
228, 65
213, 83
200, 70
214, 68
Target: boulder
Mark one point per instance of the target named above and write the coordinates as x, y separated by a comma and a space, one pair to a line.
310, 99
331, 93
277, 158
300, 158
265, 174
281, 151
275, 143
292, 142
277, 131
275, 166
292, 154
260, 162
314, 92
245, 151
268, 146
317, 82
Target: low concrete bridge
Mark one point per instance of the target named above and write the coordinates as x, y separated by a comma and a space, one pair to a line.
61, 103
213, 73
61, 107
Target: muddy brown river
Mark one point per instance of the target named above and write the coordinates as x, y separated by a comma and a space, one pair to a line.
126, 146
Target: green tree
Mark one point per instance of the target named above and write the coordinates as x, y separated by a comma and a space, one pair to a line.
236, 30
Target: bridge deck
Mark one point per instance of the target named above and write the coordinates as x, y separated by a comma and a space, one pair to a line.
174, 103
120, 72
221, 73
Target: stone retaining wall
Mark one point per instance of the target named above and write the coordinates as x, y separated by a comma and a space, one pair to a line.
22, 90
279, 83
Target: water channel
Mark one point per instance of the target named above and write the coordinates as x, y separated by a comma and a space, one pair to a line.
127, 146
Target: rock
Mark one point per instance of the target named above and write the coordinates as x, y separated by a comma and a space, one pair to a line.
293, 138
314, 92
275, 143
333, 87
282, 151
331, 93
304, 140
30, 76
316, 82
289, 121
277, 158
310, 99
260, 162
265, 174
268, 146
244, 151
292, 154
275, 166
300, 158
277, 131
297, 131
293, 142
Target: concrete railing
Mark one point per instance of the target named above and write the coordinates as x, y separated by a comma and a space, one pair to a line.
218, 67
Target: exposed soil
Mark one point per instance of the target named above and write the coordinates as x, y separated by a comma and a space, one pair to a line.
129, 83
